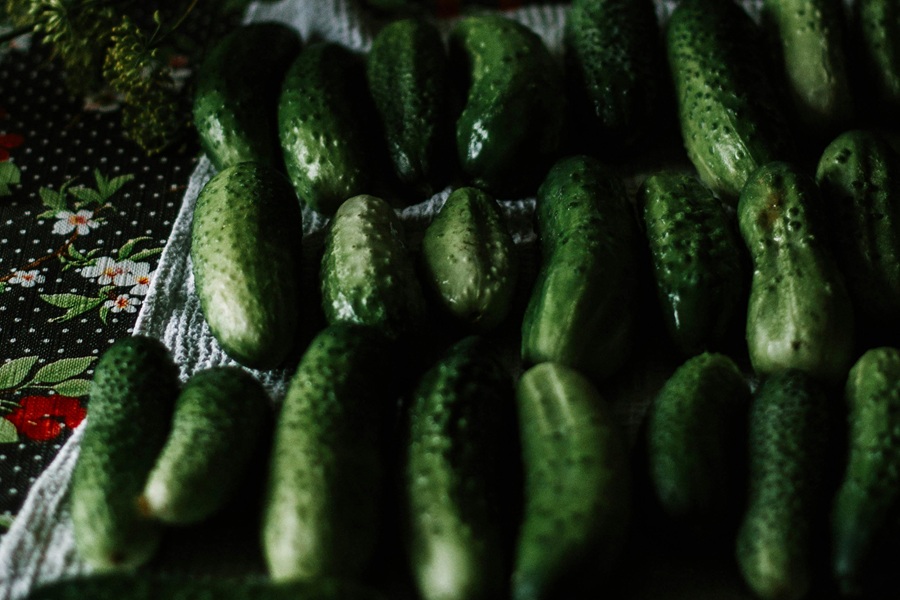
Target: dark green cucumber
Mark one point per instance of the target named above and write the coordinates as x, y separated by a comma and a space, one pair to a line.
697, 257
322, 113
615, 68
237, 94
799, 314
245, 253
511, 126
878, 35
582, 309
693, 434
859, 175
367, 273
731, 120
789, 421
470, 259
461, 421
131, 401
577, 484
808, 36
409, 78
870, 492
326, 474
218, 423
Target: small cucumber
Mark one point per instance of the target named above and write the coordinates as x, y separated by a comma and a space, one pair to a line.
799, 314
237, 94
470, 259
511, 126
367, 274
878, 35
218, 422
245, 254
131, 402
461, 420
326, 475
870, 493
577, 483
409, 78
582, 308
693, 436
731, 120
789, 419
697, 258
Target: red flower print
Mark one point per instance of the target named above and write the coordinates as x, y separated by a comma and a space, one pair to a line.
8, 141
42, 418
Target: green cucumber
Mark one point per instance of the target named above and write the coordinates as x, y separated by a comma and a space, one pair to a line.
218, 423
731, 120
878, 36
461, 421
237, 93
582, 311
697, 258
130, 410
511, 126
577, 484
321, 515
245, 253
470, 259
367, 274
799, 314
789, 420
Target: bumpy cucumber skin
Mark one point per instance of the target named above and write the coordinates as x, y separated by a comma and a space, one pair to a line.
692, 430
698, 260
237, 93
614, 66
409, 78
809, 40
870, 490
322, 126
788, 428
461, 419
799, 314
470, 259
859, 175
131, 401
218, 422
731, 120
878, 31
581, 312
577, 484
511, 126
367, 273
245, 253
327, 469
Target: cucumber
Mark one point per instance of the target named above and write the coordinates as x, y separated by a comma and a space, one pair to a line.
470, 259
693, 437
409, 78
461, 421
511, 126
131, 402
799, 314
870, 492
877, 25
217, 426
614, 66
732, 122
577, 484
859, 175
582, 311
323, 113
789, 419
327, 469
367, 274
245, 255
697, 257
237, 94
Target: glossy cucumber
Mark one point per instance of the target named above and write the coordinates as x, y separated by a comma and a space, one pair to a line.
878, 35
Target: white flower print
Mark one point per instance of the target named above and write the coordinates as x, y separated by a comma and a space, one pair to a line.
80, 221
122, 302
27, 278
142, 278
108, 270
